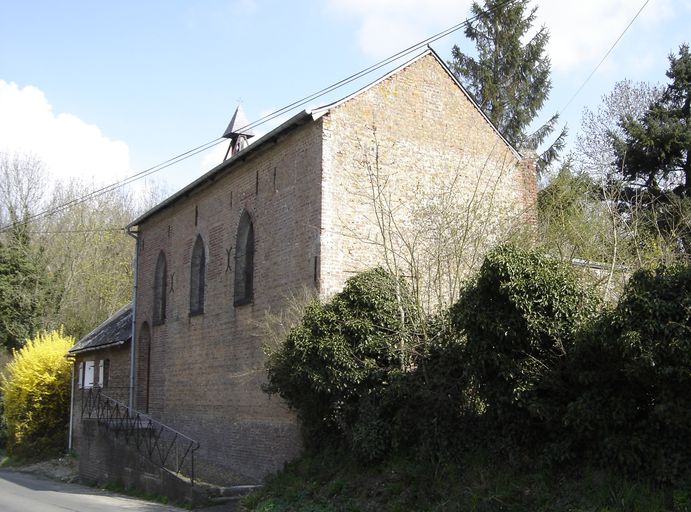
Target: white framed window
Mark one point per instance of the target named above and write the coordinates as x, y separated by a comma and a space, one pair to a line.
89, 374
93, 373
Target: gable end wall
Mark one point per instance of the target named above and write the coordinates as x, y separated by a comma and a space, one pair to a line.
429, 146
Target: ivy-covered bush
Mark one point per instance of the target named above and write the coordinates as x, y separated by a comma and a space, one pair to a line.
335, 364
520, 317
36, 394
630, 379
433, 408
525, 359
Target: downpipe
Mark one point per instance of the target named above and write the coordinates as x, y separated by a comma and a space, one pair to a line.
133, 343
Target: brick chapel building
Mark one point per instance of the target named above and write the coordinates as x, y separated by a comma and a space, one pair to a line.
289, 212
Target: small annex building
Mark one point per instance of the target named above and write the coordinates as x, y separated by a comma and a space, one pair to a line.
102, 357
289, 213
101, 362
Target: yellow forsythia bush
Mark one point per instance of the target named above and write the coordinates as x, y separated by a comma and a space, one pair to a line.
36, 396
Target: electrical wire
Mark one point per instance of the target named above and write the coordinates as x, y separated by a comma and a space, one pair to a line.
76, 231
374, 67
568, 103
292, 106
118, 184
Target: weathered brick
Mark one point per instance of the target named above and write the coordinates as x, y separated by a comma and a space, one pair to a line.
310, 199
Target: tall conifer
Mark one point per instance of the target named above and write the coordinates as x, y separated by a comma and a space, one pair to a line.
655, 152
509, 79
654, 156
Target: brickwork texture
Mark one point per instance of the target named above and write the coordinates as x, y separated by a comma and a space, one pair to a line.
313, 194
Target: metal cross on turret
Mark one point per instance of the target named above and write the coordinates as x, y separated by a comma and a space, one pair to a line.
238, 132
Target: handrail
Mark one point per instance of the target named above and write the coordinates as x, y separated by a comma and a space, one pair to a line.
161, 444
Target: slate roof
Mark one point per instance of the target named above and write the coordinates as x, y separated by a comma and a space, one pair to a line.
114, 331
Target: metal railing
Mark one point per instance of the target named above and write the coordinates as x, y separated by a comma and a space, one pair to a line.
162, 445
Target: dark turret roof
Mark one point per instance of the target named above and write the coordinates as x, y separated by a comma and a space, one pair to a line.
239, 125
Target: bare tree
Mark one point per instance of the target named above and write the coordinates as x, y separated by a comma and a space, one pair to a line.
89, 251
76, 239
22, 187
433, 232
594, 153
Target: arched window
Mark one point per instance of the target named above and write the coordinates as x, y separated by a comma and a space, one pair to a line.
244, 261
197, 277
160, 284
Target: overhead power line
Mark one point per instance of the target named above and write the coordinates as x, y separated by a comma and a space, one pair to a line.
568, 103
75, 231
374, 67
292, 106
113, 186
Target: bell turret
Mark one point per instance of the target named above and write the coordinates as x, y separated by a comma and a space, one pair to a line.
238, 132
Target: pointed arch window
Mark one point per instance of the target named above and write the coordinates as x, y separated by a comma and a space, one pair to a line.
244, 261
160, 285
197, 277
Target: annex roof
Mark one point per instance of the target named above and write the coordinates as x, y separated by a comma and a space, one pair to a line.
303, 117
114, 331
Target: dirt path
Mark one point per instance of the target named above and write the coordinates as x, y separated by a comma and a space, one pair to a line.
63, 469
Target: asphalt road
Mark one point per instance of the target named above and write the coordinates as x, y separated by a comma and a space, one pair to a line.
21, 492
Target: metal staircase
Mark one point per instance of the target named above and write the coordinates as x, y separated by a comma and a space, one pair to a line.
163, 446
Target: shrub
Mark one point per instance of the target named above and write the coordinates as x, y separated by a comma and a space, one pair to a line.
341, 352
629, 379
434, 409
36, 393
520, 317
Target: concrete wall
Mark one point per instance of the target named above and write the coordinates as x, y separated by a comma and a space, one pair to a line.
206, 370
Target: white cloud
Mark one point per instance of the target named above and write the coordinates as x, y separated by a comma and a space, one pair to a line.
68, 146
388, 26
580, 32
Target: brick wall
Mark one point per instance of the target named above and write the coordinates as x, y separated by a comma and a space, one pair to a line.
309, 194
206, 370
105, 458
414, 154
118, 380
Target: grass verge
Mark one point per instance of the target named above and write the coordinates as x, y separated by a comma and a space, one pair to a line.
333, 482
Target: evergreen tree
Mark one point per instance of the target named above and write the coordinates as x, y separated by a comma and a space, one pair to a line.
509, 79
654, 156
655, 152
23, 288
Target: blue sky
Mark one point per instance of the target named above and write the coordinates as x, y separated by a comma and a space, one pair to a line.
101, 90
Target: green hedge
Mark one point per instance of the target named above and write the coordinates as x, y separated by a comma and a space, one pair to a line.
520, 318
630, 379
